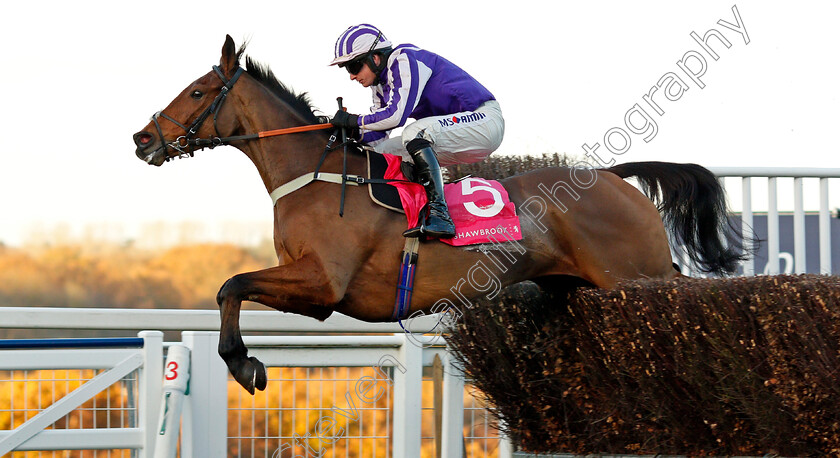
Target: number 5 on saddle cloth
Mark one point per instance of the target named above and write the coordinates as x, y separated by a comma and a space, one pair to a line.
480, 209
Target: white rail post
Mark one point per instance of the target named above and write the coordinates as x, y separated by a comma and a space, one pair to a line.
408, 389
149, 382
453, 409
747, 223
505, 446
825, 229
772, 228
175, 387
205, 408
800, 267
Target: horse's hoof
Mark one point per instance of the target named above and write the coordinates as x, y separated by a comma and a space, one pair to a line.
260, 374
252, 375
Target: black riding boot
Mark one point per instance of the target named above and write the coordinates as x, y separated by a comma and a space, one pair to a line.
437, 222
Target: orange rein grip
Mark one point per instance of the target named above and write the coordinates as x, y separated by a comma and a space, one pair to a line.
293, 130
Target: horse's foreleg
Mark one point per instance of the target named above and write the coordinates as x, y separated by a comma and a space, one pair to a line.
301, 287
249, 372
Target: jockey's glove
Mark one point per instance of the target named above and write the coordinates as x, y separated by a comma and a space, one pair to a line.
345, 119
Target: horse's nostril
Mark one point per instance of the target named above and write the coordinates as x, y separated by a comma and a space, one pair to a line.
142, 138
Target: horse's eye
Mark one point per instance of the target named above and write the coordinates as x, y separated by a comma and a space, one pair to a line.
197, 95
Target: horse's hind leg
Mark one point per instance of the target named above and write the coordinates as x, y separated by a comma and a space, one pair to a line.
300, 288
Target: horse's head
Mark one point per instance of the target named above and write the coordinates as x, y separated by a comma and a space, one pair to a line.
180, 128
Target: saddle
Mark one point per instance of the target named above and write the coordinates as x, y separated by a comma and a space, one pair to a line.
480, 209
384, 194
478, 218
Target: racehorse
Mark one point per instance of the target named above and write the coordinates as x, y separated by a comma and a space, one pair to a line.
579, 224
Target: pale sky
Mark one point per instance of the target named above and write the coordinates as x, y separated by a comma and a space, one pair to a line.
79, 78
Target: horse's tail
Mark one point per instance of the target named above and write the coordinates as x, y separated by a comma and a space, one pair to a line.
693, 206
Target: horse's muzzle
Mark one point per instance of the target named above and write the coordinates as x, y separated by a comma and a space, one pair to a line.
146, 150
143, 140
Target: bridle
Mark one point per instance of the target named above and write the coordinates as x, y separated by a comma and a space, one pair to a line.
185, 144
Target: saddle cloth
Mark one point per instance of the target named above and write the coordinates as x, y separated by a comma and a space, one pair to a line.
480, 209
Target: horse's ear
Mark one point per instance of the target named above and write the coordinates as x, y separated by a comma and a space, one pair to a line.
229, 59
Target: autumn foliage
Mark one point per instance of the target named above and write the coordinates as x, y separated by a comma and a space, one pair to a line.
24, 394
741, 366
188, 276
112, 276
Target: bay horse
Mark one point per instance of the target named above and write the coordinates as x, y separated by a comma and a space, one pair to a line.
598, 230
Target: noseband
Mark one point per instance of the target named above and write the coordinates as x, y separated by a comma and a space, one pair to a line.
182, 143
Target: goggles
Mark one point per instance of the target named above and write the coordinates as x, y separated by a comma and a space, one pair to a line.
355, 66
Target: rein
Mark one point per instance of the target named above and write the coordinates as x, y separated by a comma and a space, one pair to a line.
186, 144
211, 143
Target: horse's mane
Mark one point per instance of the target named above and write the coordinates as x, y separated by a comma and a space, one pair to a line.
262, 73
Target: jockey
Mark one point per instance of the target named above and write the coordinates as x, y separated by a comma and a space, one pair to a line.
457, 120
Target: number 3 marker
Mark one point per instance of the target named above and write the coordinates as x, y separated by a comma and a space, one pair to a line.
172, 369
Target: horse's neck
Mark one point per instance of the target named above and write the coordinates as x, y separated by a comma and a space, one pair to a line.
282, 158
